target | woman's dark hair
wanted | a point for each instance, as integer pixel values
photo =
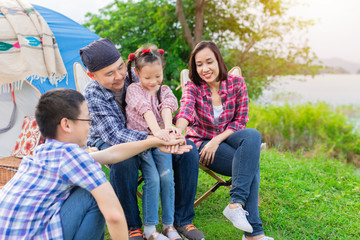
(193, 74)
(55, 105)
(146, 54)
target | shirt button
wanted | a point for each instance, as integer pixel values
(218, 130)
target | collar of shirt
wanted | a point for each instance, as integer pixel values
(107, 93)
(206, 90)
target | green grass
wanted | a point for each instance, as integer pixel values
(301, 198)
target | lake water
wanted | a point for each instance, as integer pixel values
(334, 89)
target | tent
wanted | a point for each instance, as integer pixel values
(70, 37)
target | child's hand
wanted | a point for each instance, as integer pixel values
(174, 136)
(173, 129)
(163, 134)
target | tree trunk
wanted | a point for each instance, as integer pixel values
(199, 20)
(186, 30)
(250, 44)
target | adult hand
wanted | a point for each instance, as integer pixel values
(174, 148)
(207, 154)
(163, 134)
(180, 149)
(175, 144)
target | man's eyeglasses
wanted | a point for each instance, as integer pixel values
(80, 119)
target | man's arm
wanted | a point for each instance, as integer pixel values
(112, 211)
(124, 151)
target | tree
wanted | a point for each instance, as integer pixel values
(192, 39)
(251, 34)
(131, 24)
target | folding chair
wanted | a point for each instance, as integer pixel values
(184, 77)
(81, 77)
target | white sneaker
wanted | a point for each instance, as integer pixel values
(238, 218)
(263, 238)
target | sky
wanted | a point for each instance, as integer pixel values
(336, 33)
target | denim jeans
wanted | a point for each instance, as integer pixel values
(124, 176)
(238, 156)
(157, 171)
(81, 217)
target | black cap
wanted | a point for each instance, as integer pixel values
(99, 54)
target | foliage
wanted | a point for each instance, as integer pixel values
(301, 198)
(311, 127)
(251, 34)
(129, 26)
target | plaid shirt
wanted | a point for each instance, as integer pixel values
(197, 108)
(109, 122)
(30, 202)
(139, 101)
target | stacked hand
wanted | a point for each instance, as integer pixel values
(173, 141)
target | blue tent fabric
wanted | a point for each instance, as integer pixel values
(70, 37)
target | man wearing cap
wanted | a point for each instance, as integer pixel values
(105, 97)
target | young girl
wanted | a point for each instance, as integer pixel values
(149, 108)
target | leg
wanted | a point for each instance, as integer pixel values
(151, 189)
(253, 208)
(81, 217)
(186, 170)
(238, 156)
(245, 164)
(163, 163)
(123, 178)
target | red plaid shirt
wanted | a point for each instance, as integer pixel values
(197, 108)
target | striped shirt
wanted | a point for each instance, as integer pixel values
(197, 108)
(109, 122)
(139, 101)
(30, 202)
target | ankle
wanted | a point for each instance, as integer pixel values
(170, 232)
(148, 230)
(234, 205)
(255, 237)
(166, 226)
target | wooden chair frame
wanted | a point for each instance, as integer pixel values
(220, 182)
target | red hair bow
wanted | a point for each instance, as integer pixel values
(145, 51)
(161, 51)
(131, 57)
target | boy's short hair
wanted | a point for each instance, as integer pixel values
(55, 105)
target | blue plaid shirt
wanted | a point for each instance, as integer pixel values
(30, 202)
(109, 122)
